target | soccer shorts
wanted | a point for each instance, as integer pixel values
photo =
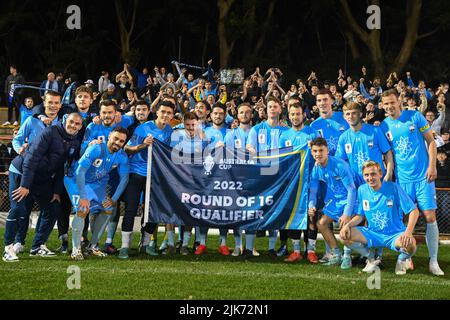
(421, 192)
(334, 209)
(96, 194)
(377, 239)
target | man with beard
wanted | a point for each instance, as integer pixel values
(299, 136)
(87, 188)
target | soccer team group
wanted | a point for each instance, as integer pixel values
(353, 165)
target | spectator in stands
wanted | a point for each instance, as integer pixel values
(11, 96)
(50, 84)
(26, 109)
(443, 169)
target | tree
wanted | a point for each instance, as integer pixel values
(125, 32)
(372, 38)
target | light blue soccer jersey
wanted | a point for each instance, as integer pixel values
(214, 135)
(384, 208)
(99, 162)
(263, 137)
(331, 129)
(138, 161)
(337, 176)
(99, 131)
(25, 113)
(181, 140)
(408, 145)
(236, 138)
(369, 143)
(292, 137)
(28, 131)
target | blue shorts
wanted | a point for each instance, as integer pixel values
(96, 194)
(421, 192)
(334, 209)
(377, 239)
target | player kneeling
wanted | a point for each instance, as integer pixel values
(87, 188)
(383, 205)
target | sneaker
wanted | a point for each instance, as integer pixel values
(334, 260)
(346, 263)
(325, 258)
(15, 123)
(247, 254)
(178, 246)
(195, 246)
(283, 251)
(7, 123)
(123, 253)
(294, 257)
(77, 254)
(18, 247)
(163, 246)
(435, 269)
(312, 257)
(169, 250)
(223, 250)
(371, 265)
(64, 248)
(237, 252)
(10, 254)
(272, 253)
(95, 251)
(42, 251)
(401, 267)
(151, 250)
(255, 253)
(184, 251)
(109, 249)
(201, 249)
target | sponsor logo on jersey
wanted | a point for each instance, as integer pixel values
(412, 128)
(370, 144)
(288, 143)
(237, 143)
(390, 203)
(348, 148)
(389, 136)
(366, 205)
(261, 138)
(97, 163)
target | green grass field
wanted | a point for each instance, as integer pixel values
(213, 276)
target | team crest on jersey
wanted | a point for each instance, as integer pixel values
(390, 203)
(261, 138)
(114, 166)
(370, 144)
(237, 143)
(288, 143)
(366, 205)
(412, 128)
(341, 129)
(348, 148)
(97, 163)
(101, 139)
(389, 136)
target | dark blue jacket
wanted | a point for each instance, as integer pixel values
(43, 162)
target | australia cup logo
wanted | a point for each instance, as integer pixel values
(208, 164)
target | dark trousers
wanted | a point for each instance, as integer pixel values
(132, 194)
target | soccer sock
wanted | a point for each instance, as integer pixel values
(337, 251)
(100, 224)
(432, 238)
(347, 251)
(126, 238)
(403, 255)
(272, 239)
(223, 240)
(186, 238)
(146, 238)
(379, 253)
(361, 249)
(249, 241)
(237, 238)
(77, 230)
(202, 237)
(296, 244)
(312, 238)
(327, 248)
(111, 231)
(171, 238)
